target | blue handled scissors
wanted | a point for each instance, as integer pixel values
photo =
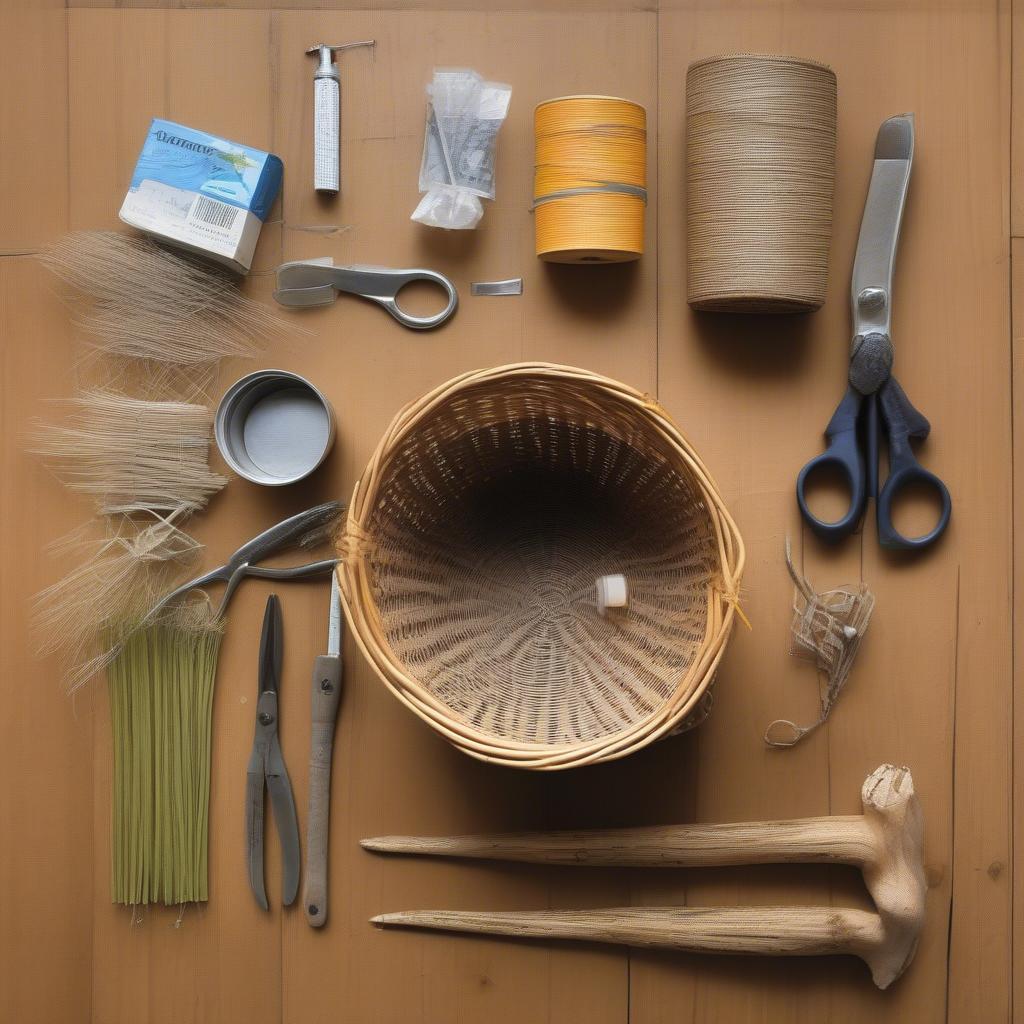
(874, 398)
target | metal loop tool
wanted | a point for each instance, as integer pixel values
(317, 282)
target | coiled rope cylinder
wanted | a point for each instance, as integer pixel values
(760, 172)
(590, 179)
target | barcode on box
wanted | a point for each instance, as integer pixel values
(210, 211)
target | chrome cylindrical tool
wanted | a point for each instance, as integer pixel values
(327, 117)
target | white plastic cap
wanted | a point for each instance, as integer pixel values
(612, 592)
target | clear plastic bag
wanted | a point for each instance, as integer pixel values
(464, 116)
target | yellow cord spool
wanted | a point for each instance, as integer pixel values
(590, 179)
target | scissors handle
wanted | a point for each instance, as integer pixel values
(843, 454)
(904, 422)
(317, 282)
(382, 285)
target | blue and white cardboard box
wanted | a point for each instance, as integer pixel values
(202, 193)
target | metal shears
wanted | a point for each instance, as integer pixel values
(317, 283)
(874, 398)
(266, 769)
(288, 533)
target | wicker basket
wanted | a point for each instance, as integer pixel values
(472, 548)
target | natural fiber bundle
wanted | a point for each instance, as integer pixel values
(131, 454)
(161, 704)
(590, 179)
(156, 304)
(83, 614)
(472, 549)
(162, 320)
(827, 629)
(760, 170)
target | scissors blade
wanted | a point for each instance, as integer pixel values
(306, 298)
(334, 620)
(305, 273)
(254, 835)
(271, 647)
(871, 291)
(306, 283)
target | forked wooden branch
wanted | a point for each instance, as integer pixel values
(885, 843)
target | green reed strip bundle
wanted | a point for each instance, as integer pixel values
(161, 700)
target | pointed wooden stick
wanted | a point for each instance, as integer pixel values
(885, 842)
(758, 931)
(828, 840)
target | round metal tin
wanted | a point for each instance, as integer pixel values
(273, 427)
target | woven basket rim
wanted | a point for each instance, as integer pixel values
(360, 609)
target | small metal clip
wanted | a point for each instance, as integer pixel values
(513, 286)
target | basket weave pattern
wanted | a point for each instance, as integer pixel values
(473, 546)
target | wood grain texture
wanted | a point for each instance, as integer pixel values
(46, 740)
(382, 125)
(1017, 330)
(125, 69)
(366, 6)
(33, 77)
(903, 700)
(933, 684)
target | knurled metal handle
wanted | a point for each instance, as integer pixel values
(326, 135)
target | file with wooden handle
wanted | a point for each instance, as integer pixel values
(326, 695)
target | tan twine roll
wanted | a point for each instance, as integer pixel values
(760, 173)
(472, 548)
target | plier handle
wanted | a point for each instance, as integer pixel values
(288, 533)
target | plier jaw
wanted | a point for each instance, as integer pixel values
(267, 771)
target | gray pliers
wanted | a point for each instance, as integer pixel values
(266, 768)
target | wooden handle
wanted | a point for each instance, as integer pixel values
(326, 695)
(885, 841)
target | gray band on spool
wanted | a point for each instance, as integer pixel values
(586, 190)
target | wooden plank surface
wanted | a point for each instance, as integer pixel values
(903, 702)
(933, 687)
(46, 740)
(1017, 305)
